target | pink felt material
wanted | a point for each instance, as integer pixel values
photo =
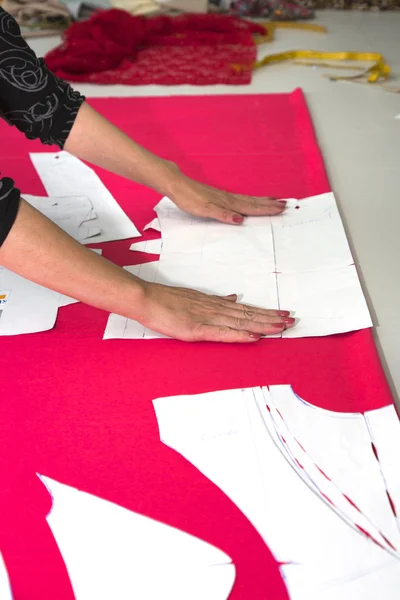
(79, 410)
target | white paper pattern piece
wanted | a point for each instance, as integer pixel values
(73, 214)
(299, 261)
(328, 521)
(64, 175)
(66, 300)
(149, 247)
(154, 224)
(120, 327)
(5, 588)
(25, 307)
(384, 429)
(112, 552)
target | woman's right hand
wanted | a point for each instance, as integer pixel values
(192, 316)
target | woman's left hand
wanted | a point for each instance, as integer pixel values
(205, 201)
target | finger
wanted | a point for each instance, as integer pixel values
(229, 303)
(230, 298)
(258, 206)
(263, 314)
(223, 215)
(215, 333)
(271, 319)
(223, 320)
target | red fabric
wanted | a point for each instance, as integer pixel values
(115, 47)
(79, 410)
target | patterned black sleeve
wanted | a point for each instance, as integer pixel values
(32, 99)
(9, 204)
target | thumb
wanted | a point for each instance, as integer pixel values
(224, 215)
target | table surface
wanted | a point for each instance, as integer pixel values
(359, 136)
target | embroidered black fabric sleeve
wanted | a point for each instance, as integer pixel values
(31, 97)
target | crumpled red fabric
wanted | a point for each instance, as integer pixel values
(104, 48)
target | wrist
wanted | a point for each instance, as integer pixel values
(174, 181)
(130, 297)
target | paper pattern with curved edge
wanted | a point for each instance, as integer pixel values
(341, 445)
(299, 260)
(329, 546)
(112, 552)
(5, 587)
(29, 307)
(66, 300)
(65, 175)
(384, 428)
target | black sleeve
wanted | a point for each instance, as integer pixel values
(9, 204)
(31, 97)
(34, 100)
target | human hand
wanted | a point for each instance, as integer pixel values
(204, 201)
(192, 316)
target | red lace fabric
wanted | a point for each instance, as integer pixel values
(114, 47)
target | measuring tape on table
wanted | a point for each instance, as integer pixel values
(376, 73)
(379, 70)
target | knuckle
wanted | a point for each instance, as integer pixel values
(223, 331)
(196, 333)
(254, 203)
(238, 323)
(249, 312)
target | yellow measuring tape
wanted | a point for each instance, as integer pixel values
(377, 71)
(271, 26)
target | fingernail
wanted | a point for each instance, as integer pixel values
(278, 325)
(282, 201)
(283, 313)
(289, 320)
(237, 219)
(254, 336)
(231, 296)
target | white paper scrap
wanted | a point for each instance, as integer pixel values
(25, 307)
(148, 247)
(112, 552)
(64, 175)
(154, 224)
(5, 587)
(235, 441)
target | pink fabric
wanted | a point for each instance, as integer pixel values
(79, 410)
